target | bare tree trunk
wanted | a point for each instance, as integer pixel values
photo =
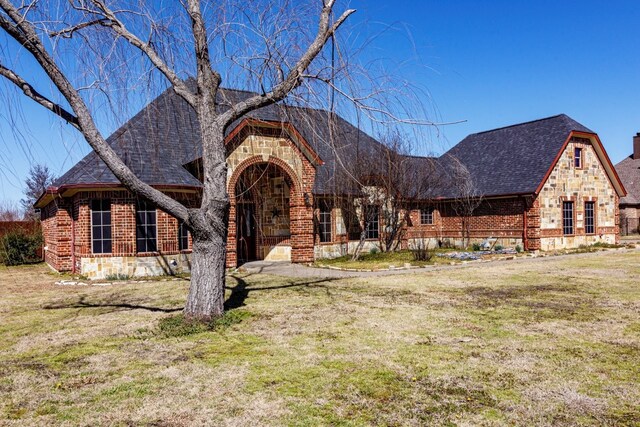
(210, 225)
(206, 292)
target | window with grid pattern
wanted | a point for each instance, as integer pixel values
(183, 236)
(426, 216)
(589, 217)
(101, 226)
(372, 216)
(567, 218)
(146, 229)
(324, 221)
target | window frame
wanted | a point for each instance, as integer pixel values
(578, 157)
(147, 208)
(566, 220)
(593, 217)
(102, 211)
(183, 236)
(370, 232)
(427, 213)
(325, 222)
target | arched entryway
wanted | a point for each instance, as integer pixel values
(271, 216)
(263, 212)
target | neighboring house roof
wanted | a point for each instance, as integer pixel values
(629, 172)
(165, 135)
(513, 159)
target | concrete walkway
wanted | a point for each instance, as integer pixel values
(298, 270)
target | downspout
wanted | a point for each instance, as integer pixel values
(525, 240)
(73, 244)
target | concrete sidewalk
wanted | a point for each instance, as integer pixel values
(298, 270)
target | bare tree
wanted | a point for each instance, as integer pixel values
(39, 179)
(39, 27)
(468, 196)
(10, 212)
(107, 50)
(382, 185)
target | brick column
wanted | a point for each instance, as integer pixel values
(301, 228)
(64, 234)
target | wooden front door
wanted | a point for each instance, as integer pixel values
(247, 230)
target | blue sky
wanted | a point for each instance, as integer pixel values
(491, 63)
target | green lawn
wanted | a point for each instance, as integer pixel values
(383, 260)
(536, 342)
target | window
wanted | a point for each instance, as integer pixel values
(101, 226)
(577, 157)
(426, 216)
(372, 218)
(567, 218)
(183, 236)
(146, 227)
(590, 217)
(324, 221)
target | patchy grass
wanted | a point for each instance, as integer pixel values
(383, 260)
(552, 341)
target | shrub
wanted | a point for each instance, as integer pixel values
(498, 247)
(421, 252)
(178, 326)
(18, 247)
(518, 248)
(373, 250)
(476, 247)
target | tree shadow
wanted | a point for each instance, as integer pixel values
(82, 303)
(240, 292)
(236, 299)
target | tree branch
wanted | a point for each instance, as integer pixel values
(30, 92)
(68, 32)
(112, 21)
(24, 33)
(295, 76)
(207, 78)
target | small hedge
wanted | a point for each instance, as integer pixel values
(18, 247)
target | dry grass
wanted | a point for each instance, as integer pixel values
(545, 342)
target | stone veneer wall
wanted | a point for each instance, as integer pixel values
(588, 183)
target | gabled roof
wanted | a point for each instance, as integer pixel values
(629, 172)
(165, 135)
(513, 159)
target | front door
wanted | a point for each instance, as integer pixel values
(246, 226)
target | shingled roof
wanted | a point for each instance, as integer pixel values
(629, 172)
(512, 159)
(165, 135)
(158, 141)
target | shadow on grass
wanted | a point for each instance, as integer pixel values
(236, 299)
(240, 292)
(82, 303)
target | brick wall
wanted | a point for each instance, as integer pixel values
(497, 218)
(66, 224)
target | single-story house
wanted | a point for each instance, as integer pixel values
(629, 171)
(544, 184)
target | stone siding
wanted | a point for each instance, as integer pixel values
(579, 185)
(134, 266)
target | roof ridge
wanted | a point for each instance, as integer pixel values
(520, 124)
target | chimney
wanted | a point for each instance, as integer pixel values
(636, 146)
